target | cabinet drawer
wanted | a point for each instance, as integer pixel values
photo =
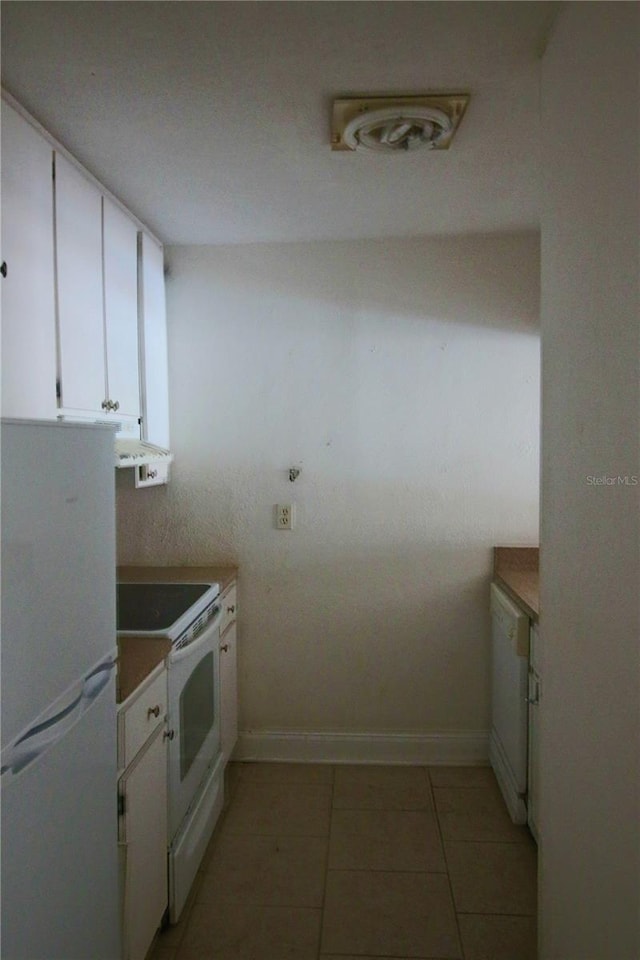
(138, 721)
(229, 608)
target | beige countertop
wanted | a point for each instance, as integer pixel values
(516, 570)
(138, 656)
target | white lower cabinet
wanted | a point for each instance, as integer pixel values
(228, 673)
(142, 801)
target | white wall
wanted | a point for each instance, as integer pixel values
(402, 377)
(590, 538)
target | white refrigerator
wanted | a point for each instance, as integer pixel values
(59, 843)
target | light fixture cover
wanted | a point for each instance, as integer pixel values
(391, 124)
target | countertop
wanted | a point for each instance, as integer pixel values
(138, 656)
(515, 569)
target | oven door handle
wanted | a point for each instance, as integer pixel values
(194, 646)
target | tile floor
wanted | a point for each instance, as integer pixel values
(332, 862)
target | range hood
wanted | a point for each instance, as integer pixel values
(130, 452)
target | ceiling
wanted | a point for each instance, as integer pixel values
(211, 120)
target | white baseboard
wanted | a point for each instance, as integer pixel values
(457, 749)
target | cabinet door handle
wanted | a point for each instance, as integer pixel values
(535, 699)
(231, 609)
(153, 712)
(115, 405)
(224, 647)
(168, 735)
(105, 404)
(3, 268)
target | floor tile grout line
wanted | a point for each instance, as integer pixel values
(261, 905)
(419, 873)
(378, 809)
(326, 864)
(384, 809)
(384, 956)
(502, 843)
(280, 834)
(484, 913)
(444, 854)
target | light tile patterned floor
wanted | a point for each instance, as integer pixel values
(333, 862)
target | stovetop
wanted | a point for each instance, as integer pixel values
(161, 609)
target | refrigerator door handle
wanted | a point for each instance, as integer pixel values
(41, 736)
(50, 728)
(96, 681)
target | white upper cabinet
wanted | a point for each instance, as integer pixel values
(96, 268)
(121, 308)
(28, 290)
(84, 332)
(78, 206)
(154, 342)
(154, 359)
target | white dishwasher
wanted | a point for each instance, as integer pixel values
(509, 706)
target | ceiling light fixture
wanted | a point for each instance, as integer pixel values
(389, 124)
(397, 128)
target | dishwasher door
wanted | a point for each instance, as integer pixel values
(509, 707)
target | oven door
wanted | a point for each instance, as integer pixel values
(194, 718)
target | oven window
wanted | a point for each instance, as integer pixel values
(197, 711)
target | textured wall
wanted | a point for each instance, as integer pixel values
(402, 377)
(590, 534)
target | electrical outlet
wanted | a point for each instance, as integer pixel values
(285, 516)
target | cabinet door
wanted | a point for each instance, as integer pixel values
(78, 242)
(28, 295)
(121, 309)
(154, 364)
(228, 691)
(143, 788)
(154, 343)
